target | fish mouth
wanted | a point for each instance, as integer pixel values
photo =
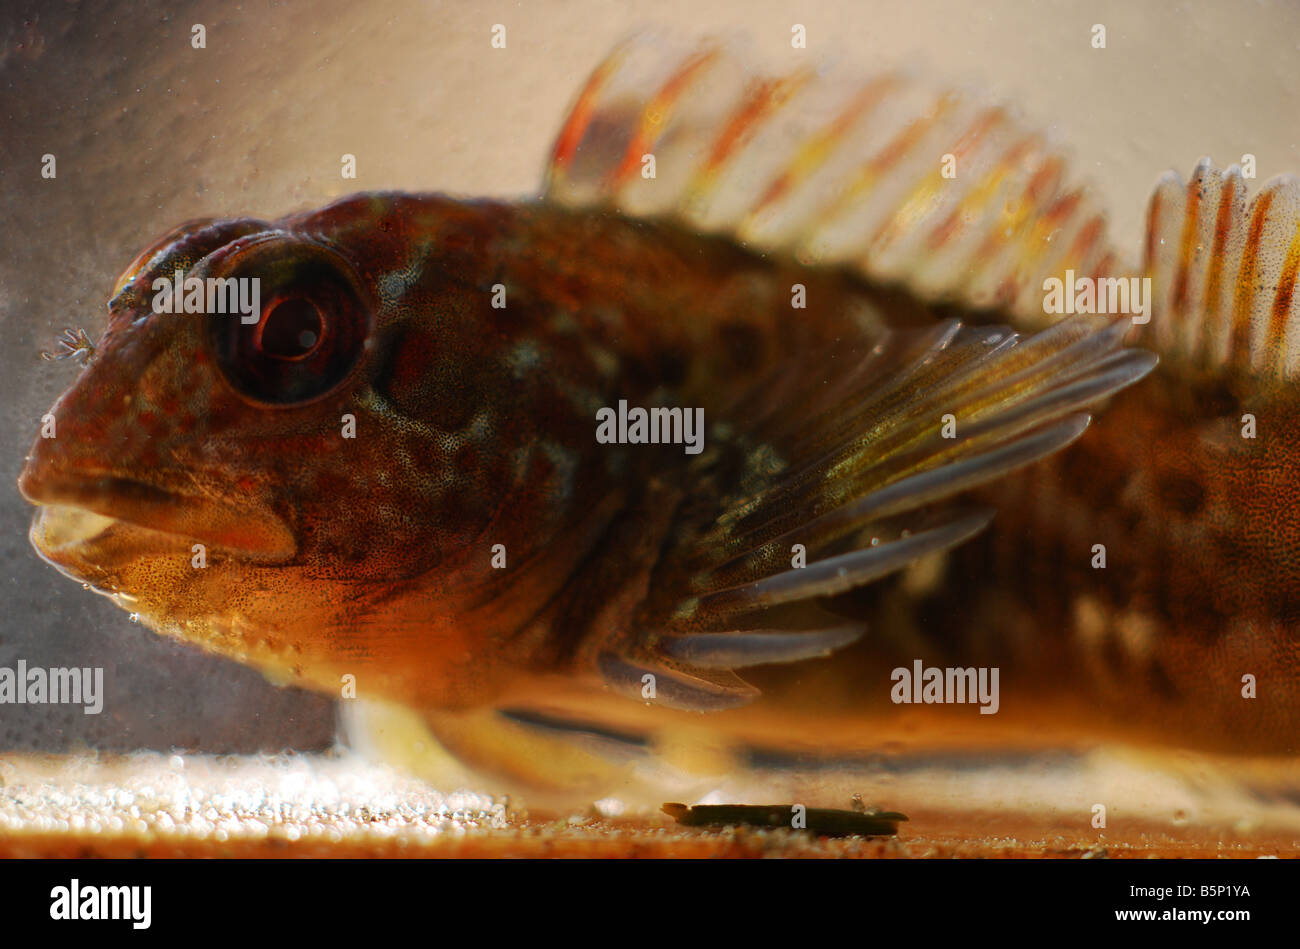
(96, 522)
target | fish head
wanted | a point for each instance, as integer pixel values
(304, 474)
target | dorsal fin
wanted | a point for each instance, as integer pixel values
(834, 170)
(1223, 272)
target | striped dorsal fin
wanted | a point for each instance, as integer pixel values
(1223, 272)
(835, 170)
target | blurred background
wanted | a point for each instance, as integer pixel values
(149, 132)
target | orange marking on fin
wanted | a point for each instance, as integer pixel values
(762, 103)
(1060, 210)
(915, 203)
(817, 149)
(894, 152)
(1106, 265)
(1021, 213)
(1285, 292)
(1088, 235)
(1222, 226)
(1045, 181)
(1187, 243)
(980, 195)
(1240, 345)
(566, 144)
(655, 114)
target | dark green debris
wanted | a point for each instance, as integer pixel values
(821, 821)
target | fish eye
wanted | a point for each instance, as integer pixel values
(290, 328)
(309, 331)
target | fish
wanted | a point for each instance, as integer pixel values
(447, 471)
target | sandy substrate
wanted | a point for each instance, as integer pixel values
(153, 805)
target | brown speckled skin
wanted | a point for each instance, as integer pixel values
(1202, 579)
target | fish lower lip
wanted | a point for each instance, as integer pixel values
(74, 515)
(60, 526)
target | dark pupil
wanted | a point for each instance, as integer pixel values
(291, 329)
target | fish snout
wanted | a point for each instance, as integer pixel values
(81, 489)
